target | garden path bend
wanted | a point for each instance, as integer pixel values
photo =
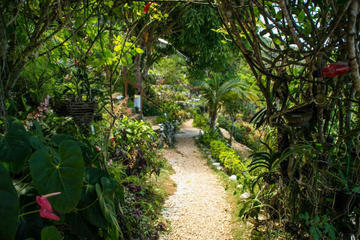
(198, 210)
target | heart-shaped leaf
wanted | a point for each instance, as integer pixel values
(356, 189)
(50, 233)
(9, 206)
(59, 138)
(61, 171)
(14, 146)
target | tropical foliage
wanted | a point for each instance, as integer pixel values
(284, 42)
(216, 91)
(75, 165)
(90, 184)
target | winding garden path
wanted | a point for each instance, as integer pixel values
(198, 210)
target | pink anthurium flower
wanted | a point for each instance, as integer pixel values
(44, 203)
(46, 210)
(44, 213)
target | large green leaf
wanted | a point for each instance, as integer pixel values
(61, 171)
(50, 233)
(80, 227)
(107, 207)
(90, 211)
(94, 216)
(59, 138)
(108, 186)
(9, 206)
(301, 16)
(14, 146)
(93, 175)
(356, 189)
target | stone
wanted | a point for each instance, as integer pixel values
(233, 177)
(216, 164)
(245, 195)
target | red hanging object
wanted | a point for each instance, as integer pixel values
(332, 70)
(335, 69)
(147, 7)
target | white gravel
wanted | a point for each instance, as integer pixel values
(198, 210)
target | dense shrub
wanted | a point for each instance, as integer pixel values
(169, 112)
(167, 132)
(150, 109)
(233, 164)
(216, 147)
(201, 120)
(92, 175)
(208, 136)
(140, 211)
(134, 144)
(232, 161)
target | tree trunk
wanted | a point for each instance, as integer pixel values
(137, 71)
(348, 110)
(352, 34)
(283, 142)
(138, 79)
(212, 116)
(232, 130)
(2, 102)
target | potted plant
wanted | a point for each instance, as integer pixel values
(299, 115)
(78, 99)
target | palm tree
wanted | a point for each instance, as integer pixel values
(216, 90)
(232, 109)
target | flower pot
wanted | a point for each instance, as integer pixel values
(299, 116)
(82, 112)
(60, 107)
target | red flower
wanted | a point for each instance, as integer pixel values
(76, 61)
(44, 213)
(46, 210)
(112, 139)
(44, 203)
(147, 7)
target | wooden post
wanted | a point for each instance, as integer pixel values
(141, 101)
(139, 88)
(125, 70)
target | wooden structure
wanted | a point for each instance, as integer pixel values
(82, 112)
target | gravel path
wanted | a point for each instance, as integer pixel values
(198, 210)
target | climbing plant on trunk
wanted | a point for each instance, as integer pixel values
(284, 43)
